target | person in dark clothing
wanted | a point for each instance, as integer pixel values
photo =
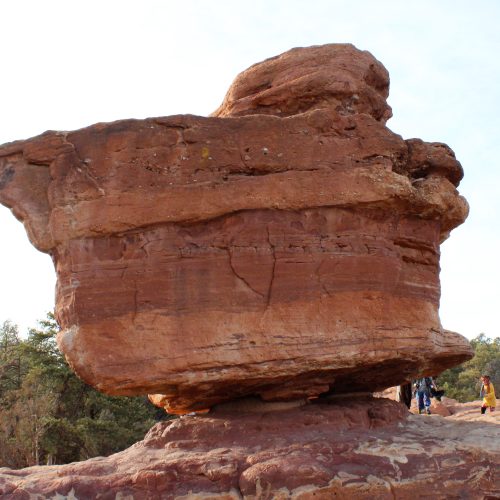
(423, 387)
(403, 394)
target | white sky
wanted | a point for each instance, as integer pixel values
(68, 64)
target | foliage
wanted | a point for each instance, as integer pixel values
(48, 415)
(10, 363)
(463, 382)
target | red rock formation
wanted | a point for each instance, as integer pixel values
(336, 76)
(357, 449)
(284, 254)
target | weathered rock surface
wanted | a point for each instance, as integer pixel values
(359, 449)
(466, 412)
(286, 247)
(337, 76)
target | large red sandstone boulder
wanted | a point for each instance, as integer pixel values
(347, 448)
(286, 247)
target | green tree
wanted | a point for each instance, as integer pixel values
(49, 415)
(23, 419)
(40, 352)
(61, 441)
(112, 423)
(463, 382)
(10, 358)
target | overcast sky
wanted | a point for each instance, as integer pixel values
(68, 64)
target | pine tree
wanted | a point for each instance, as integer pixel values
(10, 358)
(463, 382)
(48, 415)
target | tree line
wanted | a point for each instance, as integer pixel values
(48, 415)
(462, 382)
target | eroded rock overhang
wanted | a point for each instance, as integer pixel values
(286, 246)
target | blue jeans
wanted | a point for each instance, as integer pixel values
(423, 400)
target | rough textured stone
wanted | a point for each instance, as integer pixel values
(284, 254)
(335, 76)
(344, 448)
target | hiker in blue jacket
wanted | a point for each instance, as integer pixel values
(423, 388)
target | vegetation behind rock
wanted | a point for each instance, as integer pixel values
(48, 415)
(462, 382)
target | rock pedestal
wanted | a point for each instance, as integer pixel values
(286, 247)
(356, 448)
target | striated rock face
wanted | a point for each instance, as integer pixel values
(350, 448)
(286, 247)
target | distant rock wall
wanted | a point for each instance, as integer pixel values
(286, 247)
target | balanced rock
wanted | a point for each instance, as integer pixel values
(286, 247)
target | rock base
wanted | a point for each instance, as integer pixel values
(356, 448)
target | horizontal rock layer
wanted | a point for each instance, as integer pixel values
(347, 448)
(204, 259)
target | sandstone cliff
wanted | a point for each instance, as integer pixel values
(286, 247)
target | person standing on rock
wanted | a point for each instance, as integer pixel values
(423, 393)
(488, 394)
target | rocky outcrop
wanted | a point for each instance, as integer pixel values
(346, 448)
(286, 247)
(338, 77)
